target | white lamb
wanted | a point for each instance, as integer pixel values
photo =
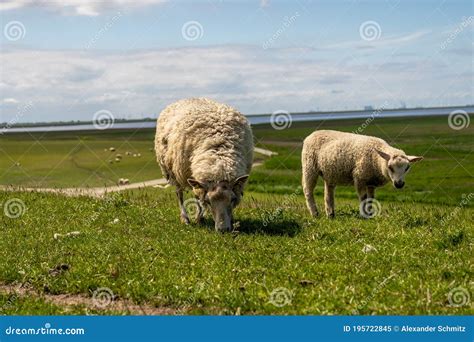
(345, 159)
(207, 146)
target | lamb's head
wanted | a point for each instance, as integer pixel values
(397, 166)
(221, 198)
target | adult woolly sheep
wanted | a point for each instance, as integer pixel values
(346, 158)
(207, 146)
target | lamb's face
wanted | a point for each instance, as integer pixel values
(397, 166)
(221, 198)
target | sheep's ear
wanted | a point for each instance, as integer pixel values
(414, 159)
(240, 181)
(383, 155)
(195, 184)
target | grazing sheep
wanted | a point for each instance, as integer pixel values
(346, 158)
(123, 181)
(207, 146)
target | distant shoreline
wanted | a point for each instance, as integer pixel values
(254, 119)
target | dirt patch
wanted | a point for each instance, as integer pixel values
(102, 303)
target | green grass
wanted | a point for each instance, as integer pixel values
(445, 174)
(76, 159)
(422, 238)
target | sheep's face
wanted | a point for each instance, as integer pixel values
(221, 198)
(397, 167)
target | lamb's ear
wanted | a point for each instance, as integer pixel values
(383, 155)
(195, 184)
(240, 181)
(414, 159)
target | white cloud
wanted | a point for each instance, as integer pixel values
(77, 7)
(387, 41)
(73, 84)
(10, 100)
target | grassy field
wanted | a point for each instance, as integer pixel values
(415, 257)
(77, 159)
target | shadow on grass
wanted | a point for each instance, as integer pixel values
(285, 227)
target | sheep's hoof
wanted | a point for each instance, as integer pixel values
(331, 215)
(185, 219)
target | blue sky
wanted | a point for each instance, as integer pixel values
(132, 58)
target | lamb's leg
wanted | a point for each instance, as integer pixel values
(309, 183)
(371, 192)
(329, 199)
(361, 191)
(183, 214)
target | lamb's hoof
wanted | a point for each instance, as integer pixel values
(200, 220)
(184, 219)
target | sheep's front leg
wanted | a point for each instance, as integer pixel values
(329, 199)
(183, 214)
(309, 183)
(199, 212)
(362, 191)
(371, 192)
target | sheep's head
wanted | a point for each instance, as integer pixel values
(397, 167)
(221, 198)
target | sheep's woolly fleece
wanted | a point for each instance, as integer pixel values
(345, 158)
(203, 139)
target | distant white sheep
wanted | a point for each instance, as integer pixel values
(346, 158)
(207, 146)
